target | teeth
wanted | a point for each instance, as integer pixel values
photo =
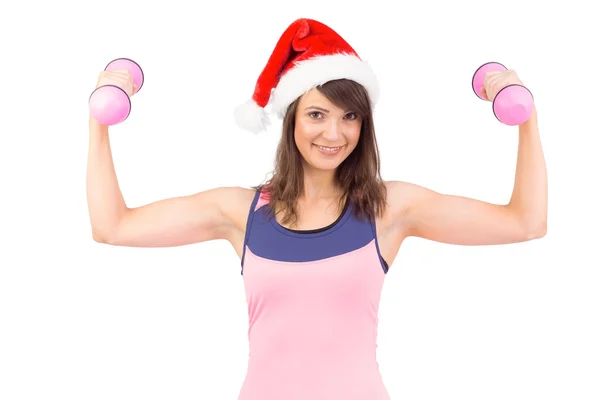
(328, 148)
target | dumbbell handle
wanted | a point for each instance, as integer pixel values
(110, 104)
(512, 105)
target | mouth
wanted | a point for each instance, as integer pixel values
(328, 150)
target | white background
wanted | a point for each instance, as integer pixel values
(85, 321)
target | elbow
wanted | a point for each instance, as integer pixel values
(530, 225)
(537, 230)
(105, 233)
(100, 236)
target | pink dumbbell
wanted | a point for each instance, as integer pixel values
(109, 104)
(513, 104)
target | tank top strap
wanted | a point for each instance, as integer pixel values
(260, 199)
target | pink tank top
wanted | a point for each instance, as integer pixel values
(313, 300)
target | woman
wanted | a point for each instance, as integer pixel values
(317, 240)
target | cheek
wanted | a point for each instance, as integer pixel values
(352, 135)
(305, 133)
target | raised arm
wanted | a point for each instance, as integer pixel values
(218, 213)
(421, 212)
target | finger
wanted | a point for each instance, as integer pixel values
(491, 74)
(487, 81)
(484, 93)
(121, 74)
(492, 83)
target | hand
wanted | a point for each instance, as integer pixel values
(496, 81)
(122, 79)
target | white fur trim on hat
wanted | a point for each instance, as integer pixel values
(251, 116)
(307, 74)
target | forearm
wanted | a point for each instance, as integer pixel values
(105, 201)
(530, 193)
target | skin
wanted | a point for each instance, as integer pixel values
(413, 210)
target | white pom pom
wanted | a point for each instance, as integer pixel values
(251, 116)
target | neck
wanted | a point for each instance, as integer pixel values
(319, 184)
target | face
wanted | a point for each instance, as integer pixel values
(324, 133)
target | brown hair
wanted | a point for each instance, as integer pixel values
(358, 176)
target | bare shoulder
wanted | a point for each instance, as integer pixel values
(398, 198)
(402, 199)
(402, 195)
(234, 205)
(234, 202)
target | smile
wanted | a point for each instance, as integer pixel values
(329, 149)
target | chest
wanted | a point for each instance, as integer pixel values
(316, 216)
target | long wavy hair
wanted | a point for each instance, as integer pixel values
(358, 176)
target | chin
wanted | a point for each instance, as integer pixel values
(324, 166)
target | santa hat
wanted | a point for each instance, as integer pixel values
(308, 54)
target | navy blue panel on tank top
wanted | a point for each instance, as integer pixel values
(266, 238)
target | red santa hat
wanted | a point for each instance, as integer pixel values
(308, 54)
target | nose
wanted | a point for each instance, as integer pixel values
(333, 131)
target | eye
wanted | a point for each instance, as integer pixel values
(314, 114)
(351, 116)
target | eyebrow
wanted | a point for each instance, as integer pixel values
(321, 109)
(316, 108)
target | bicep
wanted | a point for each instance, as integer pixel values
(455, 219)
(204, 216)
